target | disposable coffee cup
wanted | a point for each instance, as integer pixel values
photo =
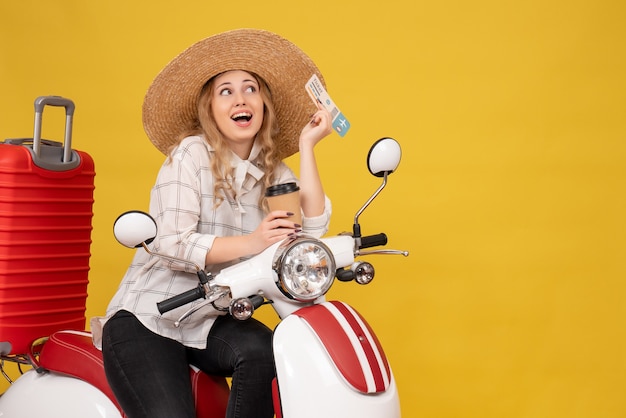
(286, 197)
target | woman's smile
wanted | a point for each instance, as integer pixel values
(242, 118)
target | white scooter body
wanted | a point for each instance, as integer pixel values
(311, 385)
(305, 369)
(356, 382)
(51, 395)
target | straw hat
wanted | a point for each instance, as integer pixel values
(169, 107)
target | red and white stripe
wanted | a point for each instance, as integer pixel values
(352, 345)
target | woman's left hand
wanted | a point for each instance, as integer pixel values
(319, 127)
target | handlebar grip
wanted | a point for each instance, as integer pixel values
(373, 240)
(180, 300)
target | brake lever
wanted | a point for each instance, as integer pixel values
(217, 293)
(391, 252)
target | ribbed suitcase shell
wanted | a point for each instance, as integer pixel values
(45, 239)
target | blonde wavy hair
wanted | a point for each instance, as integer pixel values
(205, 125)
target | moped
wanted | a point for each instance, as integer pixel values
(328, 360)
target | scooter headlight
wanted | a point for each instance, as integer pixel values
(305, 268)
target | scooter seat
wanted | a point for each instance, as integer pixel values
(73, 353)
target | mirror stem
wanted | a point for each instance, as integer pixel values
(167, 257)
(356, 228)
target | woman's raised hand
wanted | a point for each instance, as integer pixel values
(318, 127)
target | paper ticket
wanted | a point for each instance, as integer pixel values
(319, 94)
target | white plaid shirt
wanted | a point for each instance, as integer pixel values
(183, 205)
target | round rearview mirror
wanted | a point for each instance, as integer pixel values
(384, 157)
(133, 228)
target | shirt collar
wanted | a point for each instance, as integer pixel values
(245, 167)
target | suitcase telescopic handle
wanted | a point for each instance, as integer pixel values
(40, 103)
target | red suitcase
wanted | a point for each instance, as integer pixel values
(46, 200)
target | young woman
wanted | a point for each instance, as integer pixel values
(226, 112)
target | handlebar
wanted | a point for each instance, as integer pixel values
(373, 240)
(180, 300)
(200, 292)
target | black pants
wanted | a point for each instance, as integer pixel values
(149, 374)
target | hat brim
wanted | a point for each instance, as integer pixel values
(170, 104)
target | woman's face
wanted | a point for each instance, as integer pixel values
(237, 108)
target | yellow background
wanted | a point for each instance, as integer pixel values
(510, 195)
